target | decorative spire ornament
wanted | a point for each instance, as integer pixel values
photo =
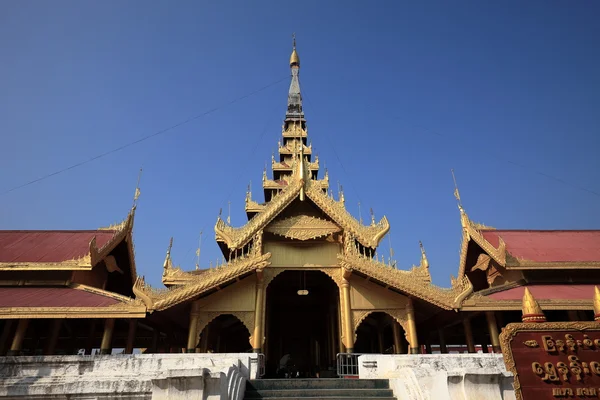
(359, 214)
(137, 194)
(229, 212)
(168, 263)
(532, 312)
(424, 261)
(198, 251)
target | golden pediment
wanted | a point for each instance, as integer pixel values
(303, 227)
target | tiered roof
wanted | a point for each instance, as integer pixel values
(295, 174)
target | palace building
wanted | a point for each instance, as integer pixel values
(301, 281)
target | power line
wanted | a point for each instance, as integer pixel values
(245, 161)
(160, 132)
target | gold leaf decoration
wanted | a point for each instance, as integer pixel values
(303, 227)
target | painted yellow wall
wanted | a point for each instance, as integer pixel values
(365, 295)
(239, 296)
(296, 254)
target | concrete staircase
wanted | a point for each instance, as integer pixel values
(309, 389)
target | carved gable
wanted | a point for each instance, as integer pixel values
(303, 227)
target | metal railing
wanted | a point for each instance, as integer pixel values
(347, 364)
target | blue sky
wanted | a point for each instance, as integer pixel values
(396, 94)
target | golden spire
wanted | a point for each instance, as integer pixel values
(596, 303)
(198, 251)
(294, 59)
(424, 261)
(532, 312)
(463, 214)
(168, 263)
(136, 196)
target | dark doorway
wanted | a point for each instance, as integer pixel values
(225, 334)
(302, 316)
(375, 334)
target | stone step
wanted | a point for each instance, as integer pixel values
(329, 398)
(260, 394)
(327, 383)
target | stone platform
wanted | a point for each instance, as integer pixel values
(140, 376)
(441, 376)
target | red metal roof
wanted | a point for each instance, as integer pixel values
(52, 297)
(48, 246)
(549, 246)
(572, 292)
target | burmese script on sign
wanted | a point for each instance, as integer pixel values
(559, 364)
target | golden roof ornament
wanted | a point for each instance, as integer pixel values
(596, 303)
(168, 263)
(424, 261)
(294, 59)
(532, 312)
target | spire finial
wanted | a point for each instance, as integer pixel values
(229, 212)
(294, 59)
(372, 216)
(424, 261)
(136, 196)
(532, 312)
(359, 214)
(198, 251)
(167, 264)
(456, 192)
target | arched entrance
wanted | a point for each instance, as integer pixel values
(375, 334)
(302, 317)
(225, 334)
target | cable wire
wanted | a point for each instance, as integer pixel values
(160, 132)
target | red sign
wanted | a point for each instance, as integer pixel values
(553, 360)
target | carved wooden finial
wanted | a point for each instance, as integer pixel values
(167, 263)
(138, 192)
(532, 312)
(424, 261)
(456, 192)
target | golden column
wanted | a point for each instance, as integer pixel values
(493, 328)
(54, 332)
(257, 337)
(340, 333)
(469, 335)
(109, 327)
(193, 329)
(15, 348)
(130, 336)
(347, 315)
(398, 344)
(412, 327)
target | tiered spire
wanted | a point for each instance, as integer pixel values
(294, 147)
